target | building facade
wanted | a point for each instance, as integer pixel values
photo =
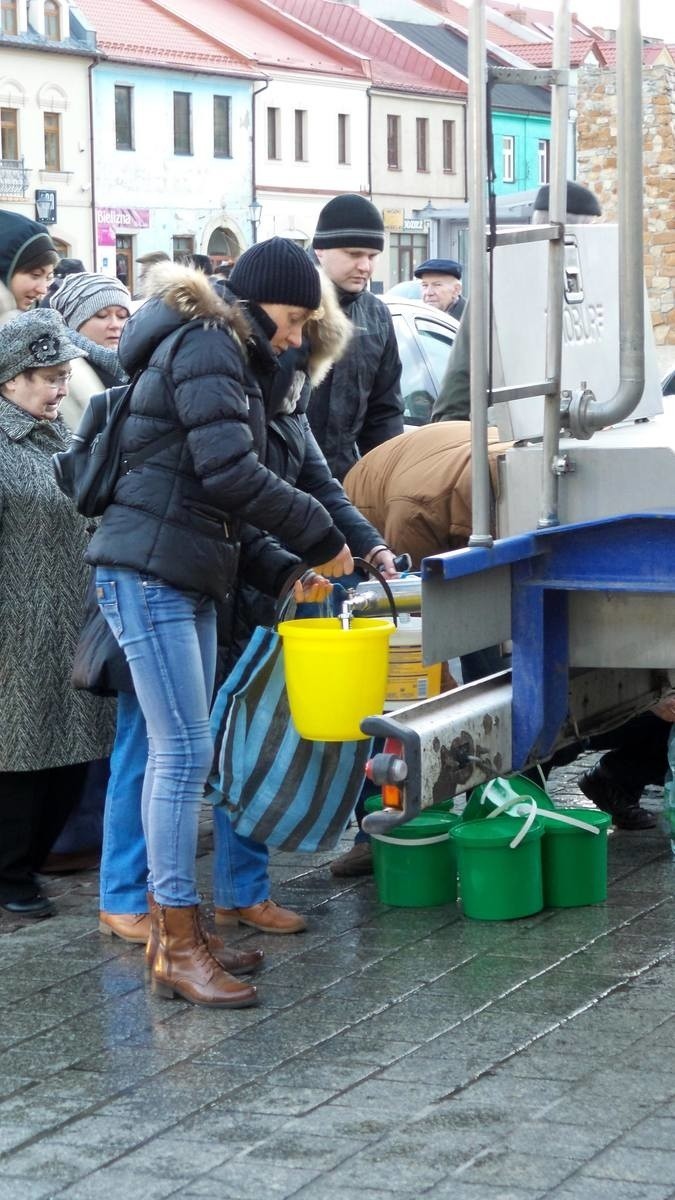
(45, 143)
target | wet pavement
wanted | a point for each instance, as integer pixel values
(396, 1052)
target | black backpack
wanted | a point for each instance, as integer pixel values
(89, 469)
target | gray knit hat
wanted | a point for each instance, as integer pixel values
(37, 338)
(81, 296)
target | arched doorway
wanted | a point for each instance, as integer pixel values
(224, 247)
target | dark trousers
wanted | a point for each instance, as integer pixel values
(34, 807)
(637, 752)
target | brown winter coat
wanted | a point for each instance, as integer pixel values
(416, 488)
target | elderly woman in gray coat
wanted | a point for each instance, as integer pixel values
(48, 732)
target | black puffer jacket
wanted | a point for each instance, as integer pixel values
(179, 515)
(359, 403)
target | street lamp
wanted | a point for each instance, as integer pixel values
(254, 215)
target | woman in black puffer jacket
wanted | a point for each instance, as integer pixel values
(168, 546)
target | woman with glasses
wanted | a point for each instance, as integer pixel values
(48, 732)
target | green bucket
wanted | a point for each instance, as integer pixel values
(414, 864)
(488, 796)
(575, 860)
(498, 882)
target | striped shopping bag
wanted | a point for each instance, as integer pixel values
(277, 787)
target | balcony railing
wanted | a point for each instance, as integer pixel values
(13, 177)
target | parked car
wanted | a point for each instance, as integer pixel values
(425, 336)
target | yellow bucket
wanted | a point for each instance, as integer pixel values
(335, 677)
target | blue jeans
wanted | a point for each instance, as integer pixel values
(124, 860)
(240, 876)
(169, 640)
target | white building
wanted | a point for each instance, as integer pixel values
(45, 145)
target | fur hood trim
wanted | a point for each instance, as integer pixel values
(328, 331)
(188, 292)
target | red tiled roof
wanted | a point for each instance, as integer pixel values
(394, 61)
(540, 54)
(649, 53)
(139, 31)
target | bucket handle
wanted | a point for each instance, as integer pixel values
(365, 568)
(408, 842)
(535, 811)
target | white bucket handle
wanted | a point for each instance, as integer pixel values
(534, 812)
(427, 841)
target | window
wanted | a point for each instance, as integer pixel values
(344, 151)
(422, 138)
(52, 21)
(124, 124)
(449, 147)
(182, 246)
(544, 160)
(222, 117)
(9, 132)
(300, 135)
(182, 123)
(273, 133)
(10, 23)
(508, 159)
(52, 128)
(393, 143)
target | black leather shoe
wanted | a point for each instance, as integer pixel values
(35, 906)
(606, 792)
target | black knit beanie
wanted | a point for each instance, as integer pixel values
(349, 220)
(580, 200)
(277, 271)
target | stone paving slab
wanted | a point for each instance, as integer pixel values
(396, 1053)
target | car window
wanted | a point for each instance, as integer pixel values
(436, 343)
(417, 386)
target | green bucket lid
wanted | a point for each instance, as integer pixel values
(497, 831)
(590, 816)
(525, 787)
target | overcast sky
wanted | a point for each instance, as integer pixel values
(657, 16)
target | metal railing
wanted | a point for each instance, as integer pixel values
(13, 177)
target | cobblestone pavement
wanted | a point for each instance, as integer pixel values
(396, 1053)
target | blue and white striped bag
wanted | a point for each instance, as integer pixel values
(277, 787)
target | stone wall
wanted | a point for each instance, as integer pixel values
(596, 167)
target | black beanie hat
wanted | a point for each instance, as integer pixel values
(24, 244)
(349, 220)
(277, 271)
(580, 200)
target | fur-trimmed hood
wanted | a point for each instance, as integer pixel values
(175, 295)
(328, 333)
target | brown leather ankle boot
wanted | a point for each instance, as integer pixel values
(183, 965)
(237, 962)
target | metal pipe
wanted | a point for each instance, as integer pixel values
(548, 514)
(407, 595)
(586, 413)
(478, 308)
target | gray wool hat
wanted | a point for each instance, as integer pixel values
(34, 339)
(81, 296)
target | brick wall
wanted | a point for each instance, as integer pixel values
(596, 167)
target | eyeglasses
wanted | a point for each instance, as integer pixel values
(58, 380)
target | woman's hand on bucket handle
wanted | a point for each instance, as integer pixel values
(342, 564)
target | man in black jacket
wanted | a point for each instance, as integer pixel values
(359, 404)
